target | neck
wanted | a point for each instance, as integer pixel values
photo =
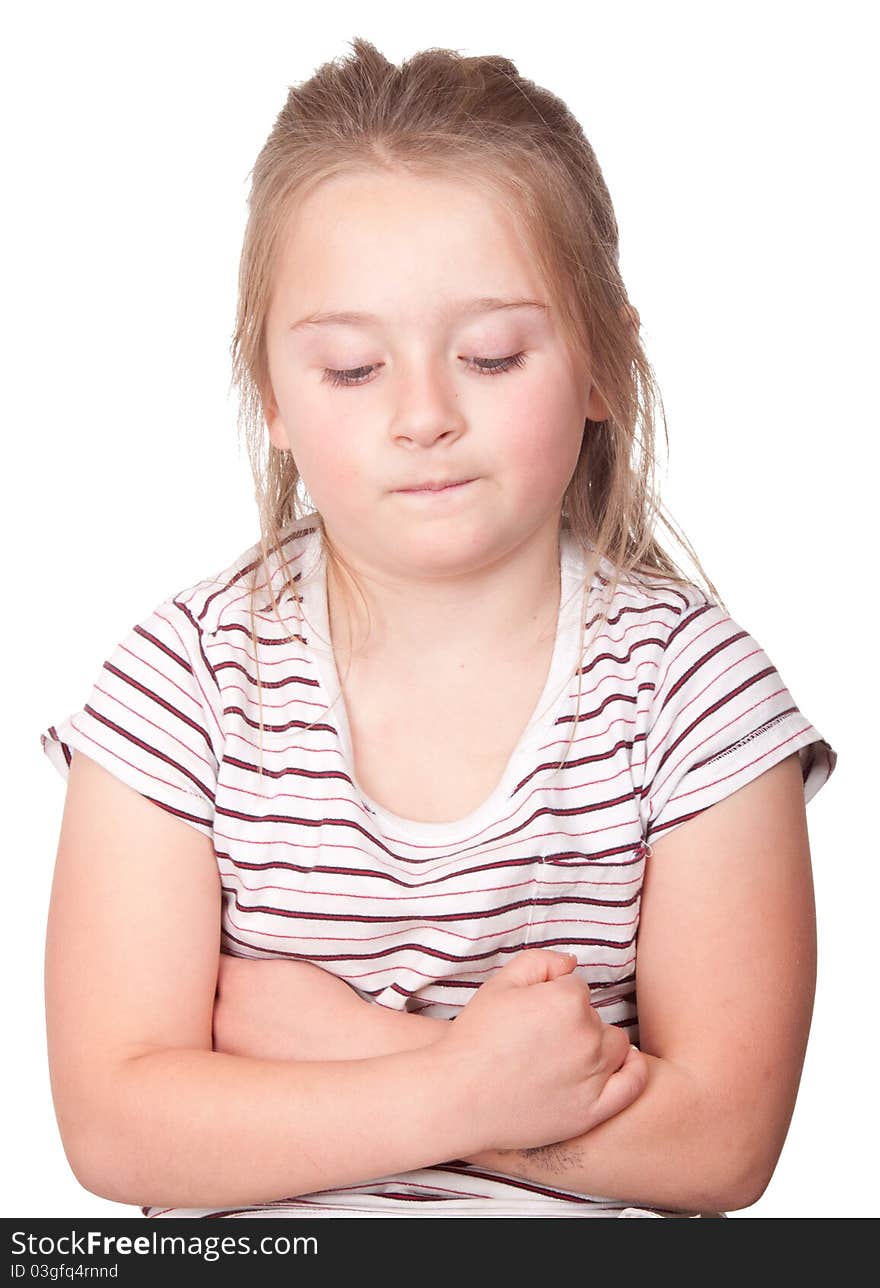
(508, 607)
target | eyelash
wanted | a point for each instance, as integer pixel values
(504, 365)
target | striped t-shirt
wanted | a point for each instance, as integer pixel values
(678, 707)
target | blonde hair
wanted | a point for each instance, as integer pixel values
(440, 114)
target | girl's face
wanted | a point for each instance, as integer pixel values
(416, 379)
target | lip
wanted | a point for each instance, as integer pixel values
(433, 491)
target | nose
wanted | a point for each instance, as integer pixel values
(426, 404)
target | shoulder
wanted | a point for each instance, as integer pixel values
(251, 579)
(652, 613)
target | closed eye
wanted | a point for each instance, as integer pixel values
(483, 366)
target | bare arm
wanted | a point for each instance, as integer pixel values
(707, 1130)
(655, 1146)
(282, 1009)
(653, 1153)
(148, 1112)
(726, 978)
(194, 1128)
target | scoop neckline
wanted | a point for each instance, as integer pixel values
(563, 663)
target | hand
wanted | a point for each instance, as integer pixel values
(511, 1161)
(285, 1010)
(564, 1070)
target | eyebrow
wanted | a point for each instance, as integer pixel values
(485, 304)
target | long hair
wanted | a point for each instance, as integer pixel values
(474, 119)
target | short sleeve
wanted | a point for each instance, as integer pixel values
(720, 715)
(153, 717)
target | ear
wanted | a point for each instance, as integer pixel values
(274, 423)
(596, 408)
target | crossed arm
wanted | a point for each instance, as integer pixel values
(725, 977)
(296, 1011)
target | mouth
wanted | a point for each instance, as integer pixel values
(432, 489)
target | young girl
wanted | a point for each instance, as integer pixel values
(455, 740)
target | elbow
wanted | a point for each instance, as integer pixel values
(743, 1194)
(736, 1193)
(103, 1139)
(752, 1184)
(741, 1139)
(740, 1178)
(105, 1187)
(114, 1171)
(115, 1180)
(102, 1155)
(95, 1170)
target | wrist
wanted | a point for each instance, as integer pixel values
(496, 1160)
(387, 1031)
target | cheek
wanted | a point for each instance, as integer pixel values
(322, 443)
(326, 457)
(544, 438)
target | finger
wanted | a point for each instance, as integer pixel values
(622, 1088)
(531, 966)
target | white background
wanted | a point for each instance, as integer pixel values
(738, 144)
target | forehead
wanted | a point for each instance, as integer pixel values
(395, 242)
